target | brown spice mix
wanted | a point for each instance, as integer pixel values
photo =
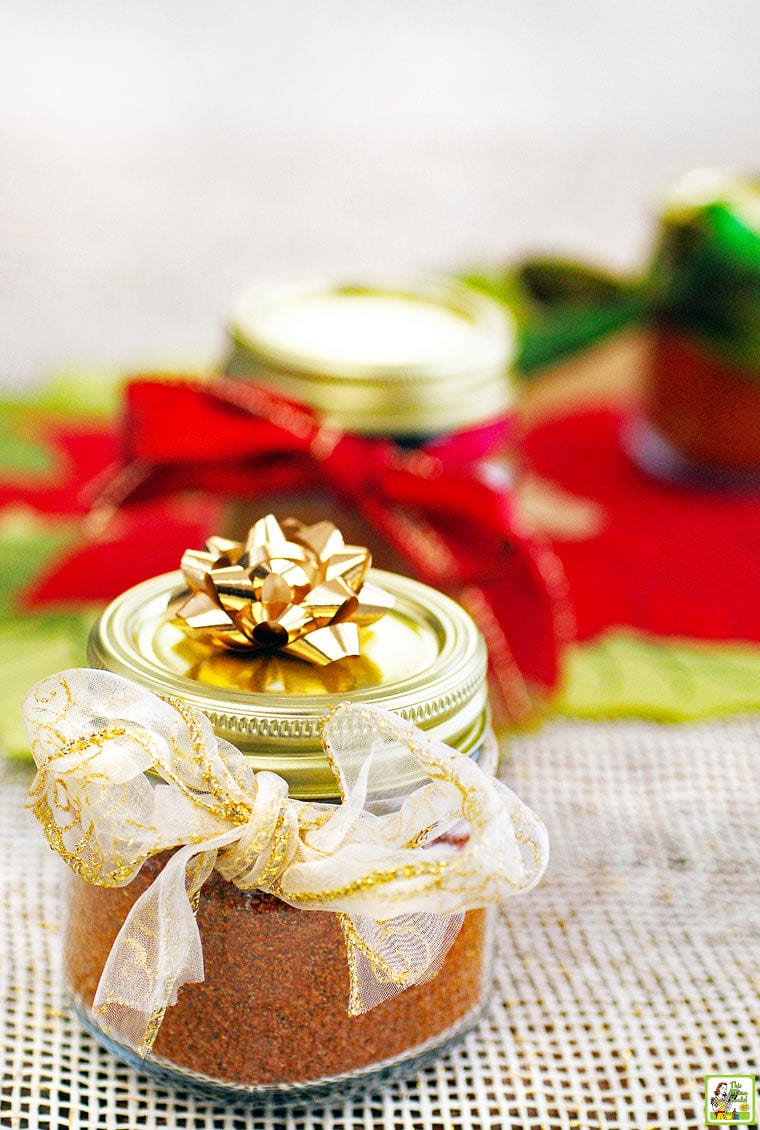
(274, 1005)
(708, 408)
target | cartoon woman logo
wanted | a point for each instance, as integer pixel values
(723, 1107)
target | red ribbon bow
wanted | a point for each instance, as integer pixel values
(433, 504)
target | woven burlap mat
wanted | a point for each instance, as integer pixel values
(632, 971)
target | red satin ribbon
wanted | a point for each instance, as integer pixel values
(433, 504)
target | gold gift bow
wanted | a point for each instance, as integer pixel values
(124, 774)
(290, 586)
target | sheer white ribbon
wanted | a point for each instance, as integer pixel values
(124, 774)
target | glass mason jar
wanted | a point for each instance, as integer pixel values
(702, 381)
(413, 357)
(271, 1017)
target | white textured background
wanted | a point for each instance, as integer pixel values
(157, 154)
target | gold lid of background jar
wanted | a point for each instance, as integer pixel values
(425, 660)
(735, 190)
(399, 356)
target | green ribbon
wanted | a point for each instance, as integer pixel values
(560, 306)
(703, 278)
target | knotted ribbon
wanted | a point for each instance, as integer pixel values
(124, 774)
(439, 505)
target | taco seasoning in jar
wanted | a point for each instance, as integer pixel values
(702, 382)
(342, 873)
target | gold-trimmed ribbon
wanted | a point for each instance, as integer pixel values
(291, 586)
(124, 774)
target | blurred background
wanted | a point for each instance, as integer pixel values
(156, 156)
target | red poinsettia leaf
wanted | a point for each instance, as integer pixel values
(77, 453)
(142, 541)
(668, 559)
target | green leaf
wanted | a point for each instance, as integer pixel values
(32, 647)
(627, 674)
(95, 393)
(27, 543)
(79, 394)
(19, 454)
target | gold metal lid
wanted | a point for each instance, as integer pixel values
(699, 188)
(425, 660)
(401, 356)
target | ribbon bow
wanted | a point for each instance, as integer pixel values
(96, 737)
(437, 505)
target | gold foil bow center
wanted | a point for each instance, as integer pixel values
(290, 586)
